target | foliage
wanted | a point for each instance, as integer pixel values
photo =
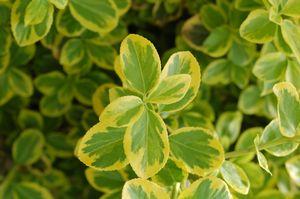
(159, 99)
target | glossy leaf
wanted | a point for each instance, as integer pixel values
(146, 144)
(197, 150)
(101, 148)
(170, 89)
(270, 67)
(140, 188)
(105, 181)
(208, 187)
(293, 168)
(182, 63)
(291, 33)
(288, 108)
(140, 63)
(271, 134)
(257, 28)
(26, 35)
(27, 148)
(235, 177)
(122, 111)
(97, 16)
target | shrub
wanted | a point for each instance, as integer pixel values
(159, 99)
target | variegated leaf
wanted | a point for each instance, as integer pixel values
(146, 144)
(101, 148)
(170, 89)
(182, 63)
(208, 188)
(288, 108)
(139, 63)
(143, 189)
(197, 150)
(293, 168)
(235, 177)
(28, 147)
(98, 16)
(104, 181)
(122, 111)
(29, 34)
(271, 134)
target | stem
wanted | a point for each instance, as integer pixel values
(267, 145)
(175, 191)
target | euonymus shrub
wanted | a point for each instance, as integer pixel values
(74, 85)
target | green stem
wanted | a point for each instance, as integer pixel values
(267, 145)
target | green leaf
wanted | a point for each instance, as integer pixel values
(60, 4)
(240, 75)
(193, 32)
(50, 106)
(270, 67)
(208, 187)
(255, 174)
(247, 5)
(182, 63)
(72, 52)
(270, 194)
(250, 101)
(291, 33)
(235, 177)
(21, 55)
(280, 43)
(197, 150)
(101, 97)
(49, 83)
(122, 6)
(26, 35)
(241, 52)
(84, 90)
(28, 147)
(288, 108)
(30, 119)
(245, 142)
(66, 91)
(102, 55)
(292, 73)
(98, 16)
(67, 25)
(293, 168)
(217, 72)
(104, 181)
(35, 12)
(140, 63)
(59, 145)
(170, 174)
(170, 89)
(83, 66)
(6, 92)
(146, 144)
(272, 133)
(262, 161)
(218, 42)
(122, 111)
(101, 148)
(30, 189)
(212, 16)
(4, 58)
(257, 27)
(143, 189)
(291, 8)
(20, 82)
(228, 127)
